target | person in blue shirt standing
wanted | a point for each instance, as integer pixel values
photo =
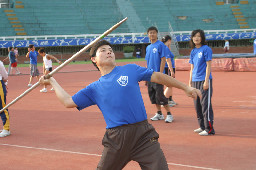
(201, 78)
(254, 47)
(155, 57)
(13, 61)
(117, 94)
(32, 55)
(169, 67)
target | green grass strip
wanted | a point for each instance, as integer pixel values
(86, 62)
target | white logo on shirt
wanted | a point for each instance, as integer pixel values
(123, 80)
(200, 55)
(154, 50)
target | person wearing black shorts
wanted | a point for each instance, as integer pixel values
(155, 57)
(169, 68)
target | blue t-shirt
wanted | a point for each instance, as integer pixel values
(169, 54)
(12, 57)
(117, 95)
(254, 47)
(154, 53)
(33, 57)
(199, 57)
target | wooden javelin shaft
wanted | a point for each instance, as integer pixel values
(66, 62)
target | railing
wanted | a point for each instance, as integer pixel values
(216, 31)
(47, 37)
(133, 35)
(5, 5)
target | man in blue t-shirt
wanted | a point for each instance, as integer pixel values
(156, 58)
(32, 55)
(117, 94)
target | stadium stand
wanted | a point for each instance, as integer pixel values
(5, 26)
(248, 10)
(72, 17)
(60, 17)
(69, 24)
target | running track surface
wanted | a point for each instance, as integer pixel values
(47, 136)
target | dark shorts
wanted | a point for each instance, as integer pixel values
(156, 94)
(49, 69)
(14, 64)
(168, 72)
(137, 142)
(33, 70)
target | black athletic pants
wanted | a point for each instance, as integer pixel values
(204, 107)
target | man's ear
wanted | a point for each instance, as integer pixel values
(93, 59)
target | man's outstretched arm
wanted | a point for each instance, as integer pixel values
(168, 81)
(61, 94)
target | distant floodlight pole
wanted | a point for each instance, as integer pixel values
(67, 62)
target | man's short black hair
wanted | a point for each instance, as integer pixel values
(41, 50)
(98, 45)
(152, 28)
(31, 46)
(95, 48)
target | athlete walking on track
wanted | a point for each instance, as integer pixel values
(128, 135)
(47, 65)
(201, 78)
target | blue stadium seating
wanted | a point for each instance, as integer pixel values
(5, 26)
(68, 17)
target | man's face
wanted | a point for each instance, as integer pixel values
(104, 56)
(152, 35)
(33, 48)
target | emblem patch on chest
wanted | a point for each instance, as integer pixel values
(154, 50)
(123, 80)
(200, 55)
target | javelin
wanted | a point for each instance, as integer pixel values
(66, 62)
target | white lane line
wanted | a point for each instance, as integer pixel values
(54, 150)
(89, 154)
(190, 166)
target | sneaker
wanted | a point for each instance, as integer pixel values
(171, 103)
(4, 133)
(52, 89)
(198, 130)
(157, 117)
(29, 85)
(175, 102)
(169, 119)
(205, 133)
(18, 73)
(44, 90)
